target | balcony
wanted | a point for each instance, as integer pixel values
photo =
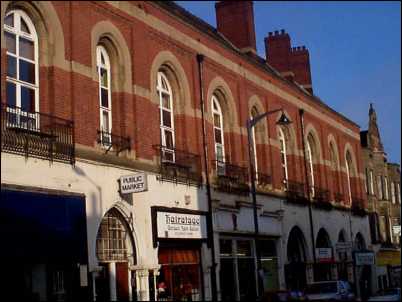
(263, 180)
(295, 192)
(230, 178)
(36, 134)
(320, 197)
(358, 208)
(179, 166)
(110, 141)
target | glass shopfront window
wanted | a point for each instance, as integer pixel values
(180, 275)
(237, 270)
(269, 263)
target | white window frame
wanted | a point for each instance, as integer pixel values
(386, 194)
(254, 144)
(220, 162)
(106, 135)
(348, 177)
(311, 166)
(379, 188)
(162, 91)
(393, 195)
(283, 151)
(32, 36)
(371, 182)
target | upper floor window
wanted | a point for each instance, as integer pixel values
(165, 94)
(349, 174)
(22, 79)
(283, 150)
(398, 193)
(105, 99)
(254, 113)
(386, 196)
(218, 135)
(393, 195)
(310, 157)
(371, 182)
(379, 187)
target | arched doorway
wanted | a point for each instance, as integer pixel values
(322, 269)
(363, 272)
(295, 269)
(116, 253)
(342, 252)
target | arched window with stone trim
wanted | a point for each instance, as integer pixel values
(283, 151)
(311, 159)
(334, 171)
(105, 95)
(165, 94)
(219, 138)
(22, 77)
(349, 173)
(253, 114)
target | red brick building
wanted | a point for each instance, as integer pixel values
(127, 76)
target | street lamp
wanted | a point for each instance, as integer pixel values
(283, 120)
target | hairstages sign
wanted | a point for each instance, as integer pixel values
(181, 226)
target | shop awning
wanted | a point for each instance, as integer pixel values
(42, 227)
(388, 257)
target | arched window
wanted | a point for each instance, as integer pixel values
(284, 163)
(165, 94)
(334, 165)
(254, 113)
(218, 136)
(22, 79)
(105, 100)
(349, 166)
(310, 165)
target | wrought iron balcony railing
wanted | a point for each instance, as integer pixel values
(36, 134)
(179, 166)
(263, 179)
(296, 192)
(231, 178)
(110, 141)
(339, 197)
(320, 197)
(358, 207)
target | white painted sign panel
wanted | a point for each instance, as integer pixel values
(323, 254)
(343, 246)
(83, 275)
(133, 183)
(181, 226)
(396, 229)
(364, 258)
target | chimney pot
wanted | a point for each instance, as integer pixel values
(282, 31)
(276, 32)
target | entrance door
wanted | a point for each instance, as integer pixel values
(122, 281)
(102, 284)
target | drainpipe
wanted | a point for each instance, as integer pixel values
(200, 59)
(301, 113)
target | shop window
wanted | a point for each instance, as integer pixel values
(180, 275)
(269, 264)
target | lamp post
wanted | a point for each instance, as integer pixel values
(283, 120)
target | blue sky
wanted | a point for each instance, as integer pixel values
(355, 54)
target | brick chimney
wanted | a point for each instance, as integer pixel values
(292, 62)
(235, 20)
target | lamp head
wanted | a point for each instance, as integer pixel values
(283, 120)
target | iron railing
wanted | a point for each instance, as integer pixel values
(179, 166)
(230, 178)
(296, 192)
(358, 207)
(263, 179)
(114, 142)
(36, 134)
(339, 197)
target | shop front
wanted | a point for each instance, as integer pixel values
(390, 261)
(45, 245)
(179, 235)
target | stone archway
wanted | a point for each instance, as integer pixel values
(295, 269)
(115, 250)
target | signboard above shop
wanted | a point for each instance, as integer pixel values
(133, 183)
(364, 258)
(181, 226)
(323, 254)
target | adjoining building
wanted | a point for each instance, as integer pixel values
(125, 161)
(384, 201)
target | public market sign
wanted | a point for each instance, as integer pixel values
(343, 246)
(363, 258)
(133, 183)
(323, 254)
(181, 226)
